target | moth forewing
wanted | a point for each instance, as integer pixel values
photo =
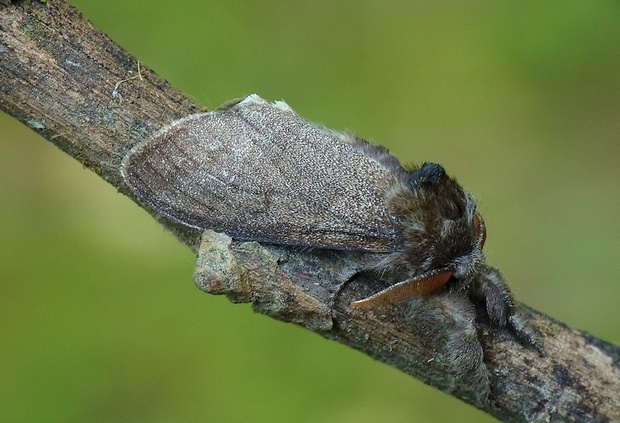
(258, 171)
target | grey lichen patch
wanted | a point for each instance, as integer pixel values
(250, 272)
(34, 124)
(217, 271)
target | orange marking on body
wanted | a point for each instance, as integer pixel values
(404, 291)
(481, 232)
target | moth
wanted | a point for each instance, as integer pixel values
(258, 171)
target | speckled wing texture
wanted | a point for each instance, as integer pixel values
(258, 171)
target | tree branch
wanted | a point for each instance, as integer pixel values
(75, 87)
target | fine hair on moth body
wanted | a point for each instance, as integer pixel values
(258, 171)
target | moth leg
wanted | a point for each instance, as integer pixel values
(524, 330)
(491, 287)
(359, 265)
(500, 306)
(347, 279)
(445, 321)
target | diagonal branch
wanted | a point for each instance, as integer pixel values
(75, 87)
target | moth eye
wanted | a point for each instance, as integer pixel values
(481, 232)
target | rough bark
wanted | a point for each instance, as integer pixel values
(70, 83)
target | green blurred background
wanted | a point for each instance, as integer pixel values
(99, 317)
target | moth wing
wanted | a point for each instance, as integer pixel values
(258, 171)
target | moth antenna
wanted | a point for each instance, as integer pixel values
(405, 290)
(428, 172)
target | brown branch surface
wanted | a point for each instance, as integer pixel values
(70, 83)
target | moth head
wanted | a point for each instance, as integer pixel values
(442, 236)
(440, 227)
